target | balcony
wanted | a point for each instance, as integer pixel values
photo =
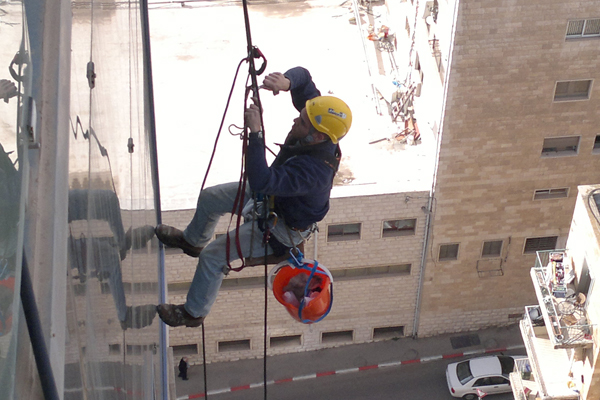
(548, 372)
(563, 309)
(522, 380)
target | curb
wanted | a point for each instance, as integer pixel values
(351, 370)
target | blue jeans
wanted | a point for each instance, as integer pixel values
(213, 203)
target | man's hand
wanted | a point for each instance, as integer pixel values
(7, 89)
(252, 117)
(276, 82)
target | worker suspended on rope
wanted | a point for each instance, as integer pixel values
(300, 180)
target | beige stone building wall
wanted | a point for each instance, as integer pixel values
(361, 304)
(504, 66)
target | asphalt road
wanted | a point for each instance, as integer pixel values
(405, 382)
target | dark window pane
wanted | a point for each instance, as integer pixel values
(343, 232)
(492, 248)
(575, 28)
(572, 90)
(551, 193)
(399, 227)
(560, 145)
(541, 243)
(448, 252)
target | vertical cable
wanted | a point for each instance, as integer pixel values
(36, 335)
(204, 361)
(151, 135)
(265, 332)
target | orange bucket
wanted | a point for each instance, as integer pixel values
(318, 307)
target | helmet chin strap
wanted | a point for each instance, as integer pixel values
(311, 139)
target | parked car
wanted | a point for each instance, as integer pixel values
(489, 374)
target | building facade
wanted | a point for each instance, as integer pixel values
(518, 133)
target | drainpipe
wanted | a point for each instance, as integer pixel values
(422, 266)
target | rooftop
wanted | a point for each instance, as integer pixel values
(195, 52)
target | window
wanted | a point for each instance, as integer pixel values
(572, 90)
(337, 337)
(560, 146)
(482, 382)
(585, 281)
(540, 243)
(596, 149)
(550, 193)
(371, 272)
(388, 332)
(582, 28)
(507, 364)
(492, 248)
(448, 252)
(337, 233)
(498, 380)
(234, 345)
(138, 349)
(490, 381)
(114, 349)
(463, 372)
(185, 350)
(285, 341)
(399, 227)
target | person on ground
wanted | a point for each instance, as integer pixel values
(299, 182)
(183, 367)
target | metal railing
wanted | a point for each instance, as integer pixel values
(523, 367)
(543, 257)
(517, 386)
(522, 372)
(527, 328)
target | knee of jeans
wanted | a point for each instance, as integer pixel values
(208, 194)
(212, 259)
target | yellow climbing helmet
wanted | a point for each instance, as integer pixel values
(329, 115)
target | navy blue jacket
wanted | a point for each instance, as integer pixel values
(300, 182)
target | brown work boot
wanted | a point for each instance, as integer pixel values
(173, 237)
(176, 315)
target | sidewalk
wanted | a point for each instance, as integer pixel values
(244, 374)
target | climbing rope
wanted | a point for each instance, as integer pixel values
(253, 52)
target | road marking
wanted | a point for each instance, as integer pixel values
(356, 369)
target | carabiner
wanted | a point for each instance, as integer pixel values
(256, 53)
